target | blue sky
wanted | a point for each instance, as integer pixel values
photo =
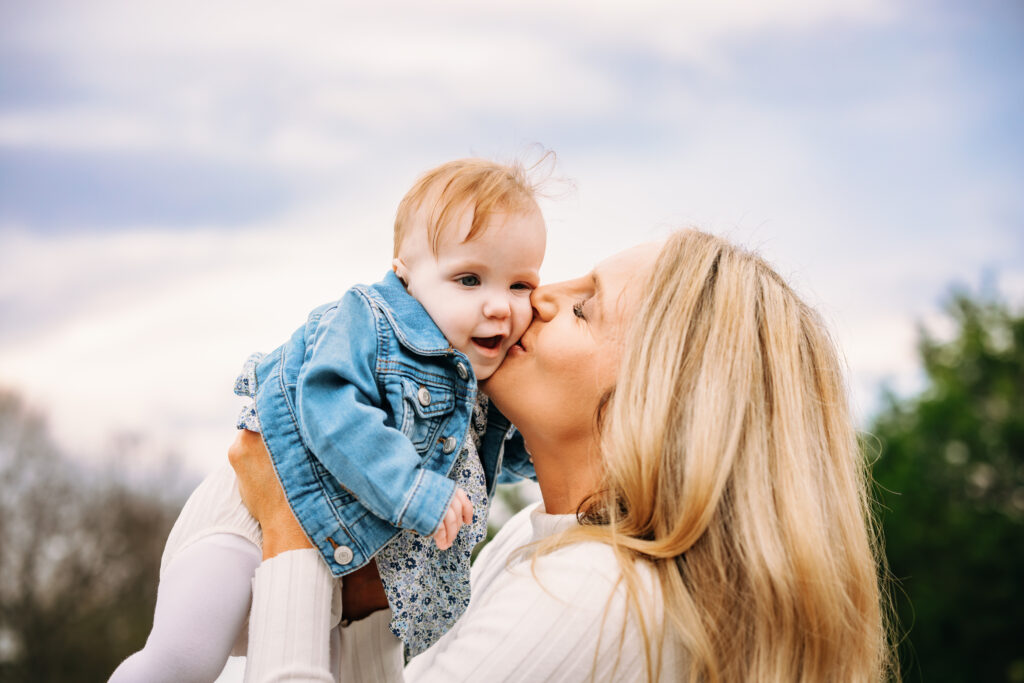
(181, 182)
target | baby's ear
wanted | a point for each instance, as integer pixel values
(398, 265)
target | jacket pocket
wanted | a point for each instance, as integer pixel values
(425, 409)
(335, 491)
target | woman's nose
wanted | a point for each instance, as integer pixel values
(544, 300)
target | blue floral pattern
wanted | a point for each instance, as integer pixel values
(429, 588)
(245, 385)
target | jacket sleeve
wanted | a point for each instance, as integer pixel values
(516, 464)
(341, 418)
(515, 460)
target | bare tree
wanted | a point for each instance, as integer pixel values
(79, 555)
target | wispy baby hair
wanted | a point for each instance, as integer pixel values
(442, 194)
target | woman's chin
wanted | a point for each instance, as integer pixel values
(513, 352)
(492, 384)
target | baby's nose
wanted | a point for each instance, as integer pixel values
(497, 307)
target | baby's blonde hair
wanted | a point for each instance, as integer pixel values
(731, 466)
(442, 194)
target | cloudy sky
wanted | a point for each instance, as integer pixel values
(180, 182)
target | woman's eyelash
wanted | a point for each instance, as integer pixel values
(577, 309)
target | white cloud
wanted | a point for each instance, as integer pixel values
(169, 317)
(400, 36)
(77, 128)
(302, 86)
(100, 129)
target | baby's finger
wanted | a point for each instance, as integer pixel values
(467, 506)
(458, 502)
(440, 537)
(451, 528)
(443, 537)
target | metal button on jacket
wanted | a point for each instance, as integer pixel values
(343, 554)
(424, 396)
(449, 444)
(460, 368)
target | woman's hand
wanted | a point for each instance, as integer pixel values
(262, 494)
(361, 591)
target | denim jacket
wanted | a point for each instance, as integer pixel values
(364, 411)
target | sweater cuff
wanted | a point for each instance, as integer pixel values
(291, 619)
(370, 651)
(428, 503)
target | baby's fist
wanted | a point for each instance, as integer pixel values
(460, 511)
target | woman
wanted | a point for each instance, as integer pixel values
(705, 513)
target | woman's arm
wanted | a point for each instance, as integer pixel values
(293, 591)
(262, 494)
(291, 619)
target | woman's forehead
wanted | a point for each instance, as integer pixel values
(617, 272)
(617, 279)
(638, 255)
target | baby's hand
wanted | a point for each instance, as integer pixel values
(460, 512)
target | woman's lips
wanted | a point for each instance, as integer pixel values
(516, 349)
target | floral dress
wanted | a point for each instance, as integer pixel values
(429, 588)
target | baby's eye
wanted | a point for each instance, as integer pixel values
(469, 281)
(523, 286)
(577, 309)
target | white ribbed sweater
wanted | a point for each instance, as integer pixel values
(517, 628)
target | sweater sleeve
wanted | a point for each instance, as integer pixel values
(290, 620)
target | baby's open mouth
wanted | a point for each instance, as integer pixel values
(489, 342)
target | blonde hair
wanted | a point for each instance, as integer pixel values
(731, 466)
(478, 185)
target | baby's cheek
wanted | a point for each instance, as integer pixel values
(522, 314)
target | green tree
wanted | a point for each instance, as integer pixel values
(79, 555)
(951, 481)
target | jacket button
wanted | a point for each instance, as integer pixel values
(424, 397)
(343, 554)
(461, 369)
(449, 444)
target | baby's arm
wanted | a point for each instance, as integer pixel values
(340, 414)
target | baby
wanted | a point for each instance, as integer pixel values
(375, 425)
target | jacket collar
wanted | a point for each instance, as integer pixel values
(413, 325)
